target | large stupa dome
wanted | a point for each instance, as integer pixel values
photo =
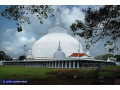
(46, 46)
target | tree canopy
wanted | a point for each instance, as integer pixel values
(100, 24)
(20, 13)
(22, 57)
(4, 56)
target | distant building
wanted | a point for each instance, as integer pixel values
(15, 59)
(29, 55)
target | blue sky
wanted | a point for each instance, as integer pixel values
(12, 42)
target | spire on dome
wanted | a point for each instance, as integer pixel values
(58, 21)
(59, 47)
(108, 58)
(59, 54)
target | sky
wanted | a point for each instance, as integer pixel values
(12, 42)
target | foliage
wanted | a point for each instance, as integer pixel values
(117, 56)
(1, 57)
(102, 24)
(22, 57)
(105, 57)
(20, 13)
(5, 57)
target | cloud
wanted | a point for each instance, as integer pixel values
(14, 46)
(35, 28)
(69, 16)
(8, 32)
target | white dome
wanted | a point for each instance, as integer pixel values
(59, 54)
(88, 53)
(47, 45)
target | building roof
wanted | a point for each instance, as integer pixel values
(80, 54)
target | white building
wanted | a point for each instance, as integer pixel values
(29, 55)
(1, 62)
(46, 46)
(59, 54)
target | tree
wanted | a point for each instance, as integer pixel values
(102, 24)
(104, 57)
(22, 57)
(20, 13)
(1, 57)
(4, 56)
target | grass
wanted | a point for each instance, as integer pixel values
(20, 72)
(110, 67)
(106, 74)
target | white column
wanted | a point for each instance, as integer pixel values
(78, 64)
(62, 64)
(73, 64)
(69, 64)
(35, 64)
(58, 64)
(39, 64)
(55, 64)
(46, 64)
(65, 64)
(52, 64)
(49, 64)
(42, 64)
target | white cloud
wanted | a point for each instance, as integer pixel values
(14, 46)
(69, 16)
(35, 28)
(9, 30)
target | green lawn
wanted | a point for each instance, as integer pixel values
(110, 67)
(20, 72)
